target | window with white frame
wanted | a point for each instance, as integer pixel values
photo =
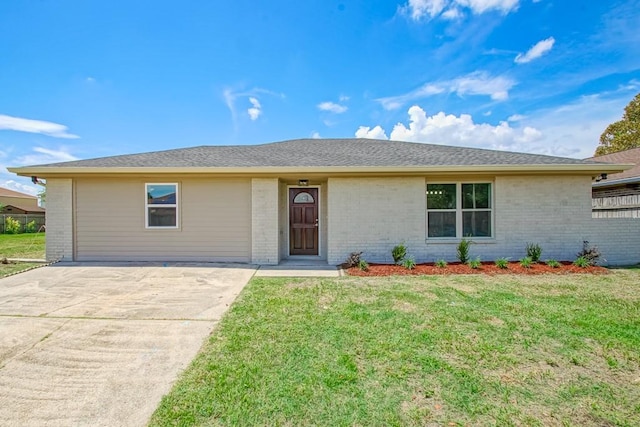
(161, 205)
(456, 210)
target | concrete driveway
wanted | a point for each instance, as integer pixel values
(100, 344)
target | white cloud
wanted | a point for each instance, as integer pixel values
(37, 156)
(375, 133)
(20, 187)
(536, 51)
(315, 135)
(574, 129)
(482, 6)
(451, 9)
(35, 126)
(43, 155)
(476, 83)
(256, 110)
(448, 129)
(418, 9)
(571, 130)
(230, 99)
(332, 107)
(395, 102)
(230, 96)
(343, 98)
(632, 85)
(453, 13)
(460, 130)
(480, 83)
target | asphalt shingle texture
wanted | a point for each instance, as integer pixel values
(631, 156)
(322, 153)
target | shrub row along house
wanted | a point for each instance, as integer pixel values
(323, 199)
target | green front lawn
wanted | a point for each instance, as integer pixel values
(26, 245)
(413, 351)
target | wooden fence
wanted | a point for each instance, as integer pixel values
(23, 219)
(616, 207)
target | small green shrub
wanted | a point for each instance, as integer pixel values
(353, 260)
(399, 252)
(12, 226)
(409, 263)
(582, 261)
(534, 251)
(30, 227)
(474, 263)
(502, 263)
(441, 263)
(363, 265)
(463, 250)
(526, 262)
(553, 263)
(590, 253)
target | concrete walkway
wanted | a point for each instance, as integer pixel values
(299, 268)
(99, 345)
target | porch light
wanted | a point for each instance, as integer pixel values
(303, 182)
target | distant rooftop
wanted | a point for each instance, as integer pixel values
(626, 156)
(5, 192)
(28, 209)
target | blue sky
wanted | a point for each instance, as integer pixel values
(82, 79)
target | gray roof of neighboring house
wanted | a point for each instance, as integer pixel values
(321, 153)
(629, 176)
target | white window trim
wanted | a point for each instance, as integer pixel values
(459, 210)
(164, 205)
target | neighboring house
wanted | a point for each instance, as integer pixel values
(323, 199)
(21, 207)
(21, 210)
(14, 198)
(618, 196)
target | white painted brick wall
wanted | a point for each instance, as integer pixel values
(553, 211)
(59, 216)
(283, 232)
(618, 239)
(264, 221)
(373, 215)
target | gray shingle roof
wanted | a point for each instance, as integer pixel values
(322, 153)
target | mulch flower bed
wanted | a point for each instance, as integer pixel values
(486, 268)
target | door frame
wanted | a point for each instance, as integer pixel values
(320, 224)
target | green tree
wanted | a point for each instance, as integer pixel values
(623, 134)
(42, 194)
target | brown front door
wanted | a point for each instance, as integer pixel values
(303, 221)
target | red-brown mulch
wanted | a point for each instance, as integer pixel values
(458, 268)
